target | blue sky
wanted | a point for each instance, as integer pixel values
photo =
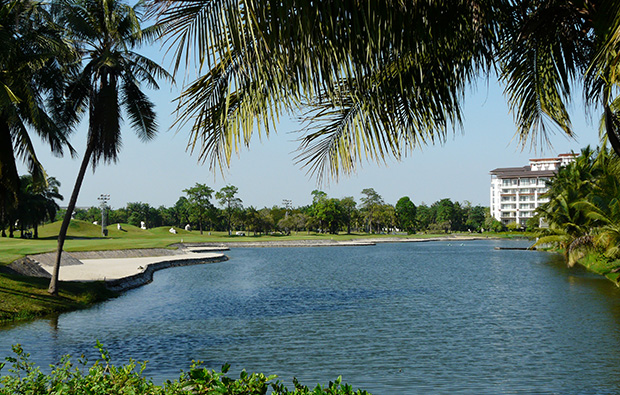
(158, 171)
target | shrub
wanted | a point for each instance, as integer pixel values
(103, 378)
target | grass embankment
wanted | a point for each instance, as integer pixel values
(25, 297)
(601, 265)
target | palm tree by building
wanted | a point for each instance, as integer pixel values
(106, 33)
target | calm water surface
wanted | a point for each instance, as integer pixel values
(412, 318)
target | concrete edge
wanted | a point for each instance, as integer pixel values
(226, 245)
(146, 276)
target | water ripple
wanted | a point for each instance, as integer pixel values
(394, 319)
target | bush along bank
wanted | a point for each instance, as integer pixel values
(20, 376)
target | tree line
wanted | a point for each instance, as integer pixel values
(203, 209)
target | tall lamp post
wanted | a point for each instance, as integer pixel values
(104, 200)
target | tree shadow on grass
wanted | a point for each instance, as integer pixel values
(72, 238)
(39, 286)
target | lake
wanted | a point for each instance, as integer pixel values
(405, 318)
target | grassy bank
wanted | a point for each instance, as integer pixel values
(26, 297)
(603, 266)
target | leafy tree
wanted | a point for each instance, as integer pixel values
(405, 212)
(425, 216)
(106, 33)
(445, 213)
(252, 219)
(475, 218)
(228, 199)
(513, 226)
(139, 212)
(277, 213)
(318, 195)
(442, 226)
(386, 217)
(90, 214)
(458, 217)
(182, 210)
(286, 224)
(298, 221)
(329, 213)
(168, 216)
(348, 206)
(267, 223)
(371, 202)
(491, 223)
(118, 216)
(199, 202)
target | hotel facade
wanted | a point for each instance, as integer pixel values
(516, 191)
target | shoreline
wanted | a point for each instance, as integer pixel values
(146, 276)
(103, 274)
(122, 270)
(328, 243)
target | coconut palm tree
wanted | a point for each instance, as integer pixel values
(106, 32)
(33, 61)
(37, 203)
(569, 229)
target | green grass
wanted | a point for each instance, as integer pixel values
(25, 298)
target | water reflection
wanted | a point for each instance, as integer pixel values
(401, 318)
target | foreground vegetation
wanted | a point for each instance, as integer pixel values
(67, 377)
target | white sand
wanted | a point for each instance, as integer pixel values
(112, 269)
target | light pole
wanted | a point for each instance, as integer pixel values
(104, 200)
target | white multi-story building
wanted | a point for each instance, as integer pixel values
(516, 191)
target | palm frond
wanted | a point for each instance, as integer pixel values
(140, 109)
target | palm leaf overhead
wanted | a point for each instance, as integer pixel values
(401, 68)
(377, 79)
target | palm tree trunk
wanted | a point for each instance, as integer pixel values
(611, 132)
(53, 288)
